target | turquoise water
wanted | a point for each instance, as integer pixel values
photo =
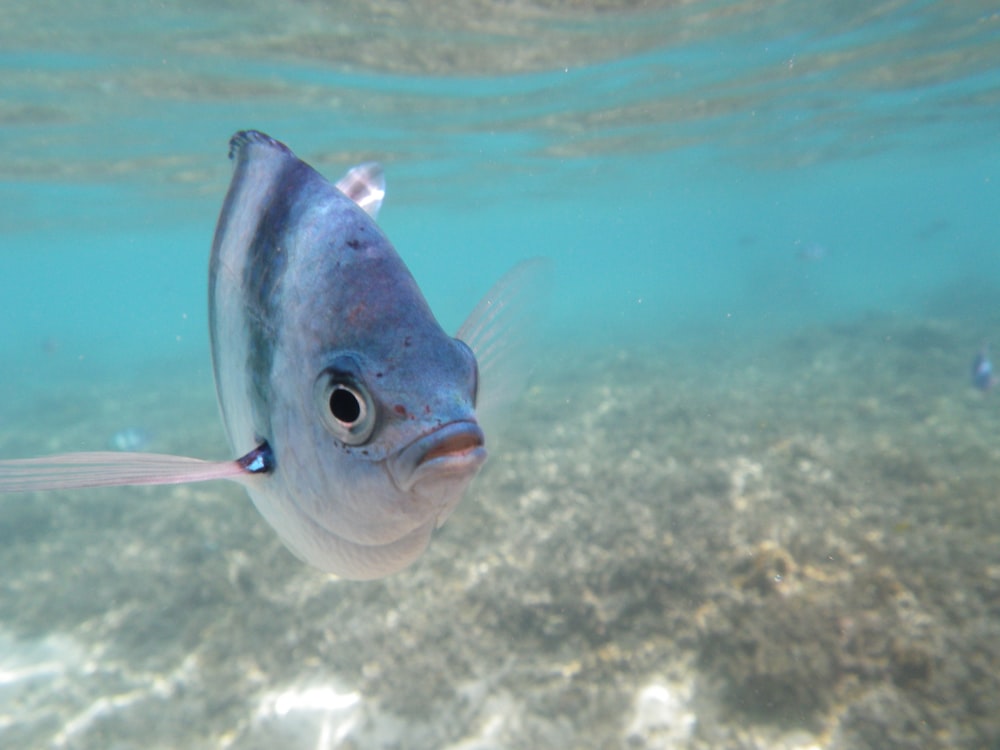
(687, 174)
(773, 221)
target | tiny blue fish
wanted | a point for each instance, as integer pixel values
(982, 370)
(130, 439)
(355, 417)
(810, 252)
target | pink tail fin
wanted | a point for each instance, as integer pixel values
(110, 469)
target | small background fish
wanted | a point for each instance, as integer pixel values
(983, 378)
(130, 439)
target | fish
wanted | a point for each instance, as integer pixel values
(357, 421)
(810, 252)
(130, 439)
(983, 378)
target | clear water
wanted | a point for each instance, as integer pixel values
(711, 178)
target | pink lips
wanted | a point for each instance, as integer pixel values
(455, 450)
(458, 445)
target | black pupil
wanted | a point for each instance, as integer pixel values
(344, 406)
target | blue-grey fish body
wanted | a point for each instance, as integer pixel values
(353, 414)
(328, 359)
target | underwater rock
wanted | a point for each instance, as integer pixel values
(884, 718)
(910, 663)
(767, 569)
(661, 716)
(776, 659)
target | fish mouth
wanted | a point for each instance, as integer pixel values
(451, 451)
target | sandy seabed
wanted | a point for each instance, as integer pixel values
(784, 545)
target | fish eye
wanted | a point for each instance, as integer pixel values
(346, 408)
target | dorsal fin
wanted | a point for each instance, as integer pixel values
(246, 138)
(363, 184)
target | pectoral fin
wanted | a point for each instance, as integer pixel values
(502, 331)
(365, 185)
(111, 469)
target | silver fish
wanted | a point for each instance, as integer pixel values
(355, 416)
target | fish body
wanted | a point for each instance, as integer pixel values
(810, 252)
(325, 350)
(983, 378)
(129, 439)
(354, 417)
